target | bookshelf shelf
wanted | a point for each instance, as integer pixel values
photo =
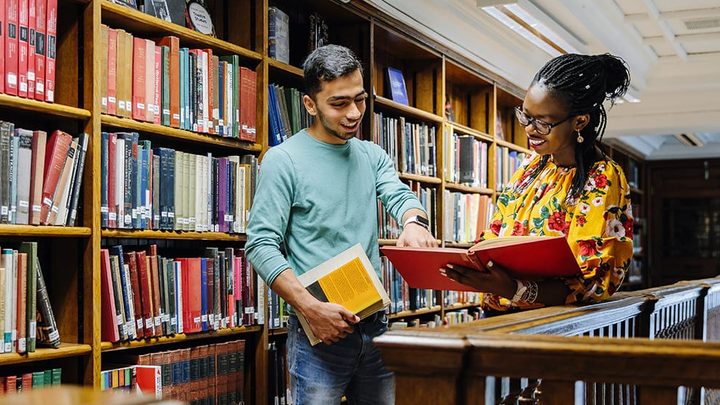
(278, 332)
(65, 350)
(387, 242)
(482, 136)
(285, 68)
(468, 189)
(419, 178)
(57, 110)
(155, 129)
(54, 231)
(407, 110)
(176, 235)
(181, 337)
(512, 146)
(459, 306)
(139, 22)
(415, 312)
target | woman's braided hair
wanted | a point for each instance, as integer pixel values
(582, 83)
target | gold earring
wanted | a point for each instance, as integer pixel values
(580, 138)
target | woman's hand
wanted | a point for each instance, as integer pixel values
(494, 280)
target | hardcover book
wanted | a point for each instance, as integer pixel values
(525, 257)
(347, 279)
(396, 85)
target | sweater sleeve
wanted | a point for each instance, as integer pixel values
(396, 196)
(269, 215)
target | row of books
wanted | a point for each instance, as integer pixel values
(466, 160)
(506, 163)
(137, 379)
(145, 294)
(30, 381)
(175, 86)
(26, 316)
(28, 40)
(388, 228)
(466, 216)
(160, 188)
(286, 113)
(205, 374)
(40, 179)
(402, 297)
(277, 314)
(411, 146)
(278, 375)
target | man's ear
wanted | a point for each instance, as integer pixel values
(310, 105)
(581, 122)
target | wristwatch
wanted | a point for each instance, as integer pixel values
(422, 221)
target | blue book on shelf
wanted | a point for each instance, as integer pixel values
(396, 82)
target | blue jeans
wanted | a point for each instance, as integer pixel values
(322, 374)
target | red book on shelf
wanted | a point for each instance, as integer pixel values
(3, 28)
(145, 294)
(55, 157)
(32, 28)
(23, 37)
(248, 104)
(211, 73)
(149, 380)
(174, 44)
(149, 81)
(11, 46)
(139, 53)
(40, 48)
(157, 90)
(108, 323)
(51, 50)
(153, 274)
(130, 260)
(526, 257)
(192, 296)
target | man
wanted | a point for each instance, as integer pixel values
(317, 194)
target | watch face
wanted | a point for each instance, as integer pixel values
(422, 221)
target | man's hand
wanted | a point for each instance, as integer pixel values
(414, 235)
(330, 322)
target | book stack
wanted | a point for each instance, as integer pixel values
(147, 295)
(164, 83)
(30, 381)
(40, 178)
(28, 38)
(412, 146)
(286, 113)
(163, 189)
(212, 373)
(466, 216)
(26, 315)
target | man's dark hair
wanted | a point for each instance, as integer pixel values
(327, 63)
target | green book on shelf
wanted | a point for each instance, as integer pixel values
(165, 103)
(30, 249)
(38, 379)
(56, 376)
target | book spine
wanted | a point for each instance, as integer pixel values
(50, 57)
(77, 180)
(48, 334)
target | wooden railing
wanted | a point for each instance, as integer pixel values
(656, 346)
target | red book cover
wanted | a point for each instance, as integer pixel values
(40, 47)
(3, 28)
(149, 380)
(108, 321)
(130, 259)
(27, 381)
(51, 50)
(11, 46)
(23, 35)
(149, 81)
(526, 257)
(37, 174)
(112, 71)
(157, 92)
(154, 275)
(248, 105)
(146, 298)
(138, 79)
(55, 157)
(32, 24)
(174, 44)
(192, 296)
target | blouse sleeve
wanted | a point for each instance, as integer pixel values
(600, 235)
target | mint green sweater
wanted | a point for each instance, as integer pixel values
(320, 199)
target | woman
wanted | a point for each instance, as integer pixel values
(567, 187)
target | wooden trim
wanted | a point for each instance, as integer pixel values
(65, 350)
(172, 235)
(139, 22)
(415, 312)
(468, 189)
(57, 110)
(180, 337)
(419, 178)
(407, 110)
(284, 67)
(480, 135)
(49, 231)
(512, 146)
(175, 133)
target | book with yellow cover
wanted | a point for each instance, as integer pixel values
(347, 279)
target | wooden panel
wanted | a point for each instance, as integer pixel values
(658, 395)
(65, 350)
(558, 392)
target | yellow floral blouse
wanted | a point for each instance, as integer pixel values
(598, 224)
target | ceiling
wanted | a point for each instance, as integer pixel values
(672, 48)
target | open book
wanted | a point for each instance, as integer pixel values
(348, 279)
(524, 257)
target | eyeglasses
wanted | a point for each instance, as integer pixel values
(542, 127)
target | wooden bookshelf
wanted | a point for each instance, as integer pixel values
(180, 337)
(468, 189)
(173, 235)
(51, 109)
(40, 354)
(278, 332)
(512, 146)
(419, 178)
(284, 67)
(407, 111)
(415, 313)
(49, 231)
(481, 136)
(179, 134)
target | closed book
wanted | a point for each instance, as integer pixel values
(51, 51)
(23, 41)
(55, 158)
(112, 71)
(104, 39)
(110, 327)
(47, 330)
(25, 140)
(146, 296)
(56, 199)
(119, 299)
(21, 313)
(130, 260)
(149, 81)
(6, 130)
(165, 85)
(74, 199)
(37, 174)
(525, 257)
(11, 46)
(153, 273)
(32, 27)
(3, 31)
(139, 65)
(40, 48)
(30, 250)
